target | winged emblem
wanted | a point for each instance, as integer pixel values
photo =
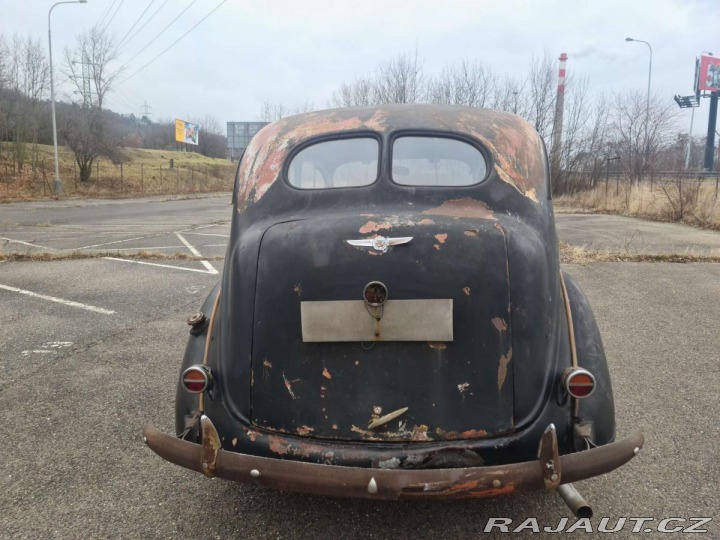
(380, 243)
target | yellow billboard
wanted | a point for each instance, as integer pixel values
(185, 132)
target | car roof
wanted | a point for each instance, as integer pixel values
(516, 148)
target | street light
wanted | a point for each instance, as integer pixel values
(647, 107)
(57, 185)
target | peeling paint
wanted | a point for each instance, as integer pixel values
(304, 430)
(426, 221)
(467, 208)
(466, 291)
(420, 433)
(441, 237)
(326, 373)
(439, 345)
(499, 324)
(462, 388)
(298, 290)
(234, 441)
(471, 232)
(372, 226)
(392, 463)
(502, 368)
(289, 387)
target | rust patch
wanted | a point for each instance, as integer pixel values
(437, 246)
(439, 345)
(334, 426)
(441, 237)
(473, 434)
(502, 368)
(420, 433)
(278, 445)
(372, 226)
(466, 291)
(304, 430)
(471, 232)
(252, 435)
(326, 373)
(499, 324)
(462, 388)
(426, 221)
(467, 208)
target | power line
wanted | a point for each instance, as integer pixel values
(176, 41)
(158, 35)
(146, 22)
(102, 19)
(134, 24)
(113, 15)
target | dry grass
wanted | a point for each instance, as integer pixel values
(147, 173)
(580, 255)
(687, 202)
(74, 255)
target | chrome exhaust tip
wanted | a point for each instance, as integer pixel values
(576, 502)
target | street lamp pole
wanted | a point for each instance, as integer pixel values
(647, 107)
(57, 185)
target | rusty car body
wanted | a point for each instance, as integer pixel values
(454, 383)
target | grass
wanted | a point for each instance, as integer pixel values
(146, 173)
(686, 201)
(76, 255)
(580, 255)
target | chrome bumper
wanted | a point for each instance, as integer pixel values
(547, 472)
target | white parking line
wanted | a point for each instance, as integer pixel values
(208, 234)
(163, 265)
(135, 248)
(206, 264)
(58, 300)
(25, 243)
(121, 241)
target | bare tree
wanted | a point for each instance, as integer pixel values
(470, 83)
(541, 85)
(89, 66)
(400, 80)
(270, 112)
(356, 94)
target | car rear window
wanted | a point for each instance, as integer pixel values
(436, 161)
(335, 164)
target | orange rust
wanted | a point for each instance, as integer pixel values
(499, 324)
(372, 226)
(502, 368)
(467, 208)
(441, 237)
(304, 430)
(437, 246)
(420, 433)
(473, 434)
(492, 492)
(464, 486)
(278, 445)
(326, 373)
(426, 221)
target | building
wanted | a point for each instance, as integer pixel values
(239, 135)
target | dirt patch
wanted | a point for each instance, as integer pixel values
(581, 255)
(74, 255)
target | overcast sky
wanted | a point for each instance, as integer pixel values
(297, 51)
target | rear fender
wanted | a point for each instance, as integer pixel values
(187, 404)
(600, 406)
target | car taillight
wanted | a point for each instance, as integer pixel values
(579, 382)
(196, 379)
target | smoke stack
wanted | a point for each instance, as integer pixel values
(559, 106)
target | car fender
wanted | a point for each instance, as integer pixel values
(187, 404)
(600, 406)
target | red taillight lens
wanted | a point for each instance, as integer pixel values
(579, 382)
(196, 379)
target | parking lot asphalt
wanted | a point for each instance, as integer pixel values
(76, 385)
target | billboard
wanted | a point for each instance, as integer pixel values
(709, 78)
(185, 132)
(239, 135)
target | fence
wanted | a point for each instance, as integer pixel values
(108, 179)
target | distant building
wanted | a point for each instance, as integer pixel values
(239, 135)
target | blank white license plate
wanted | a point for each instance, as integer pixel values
(402, 320)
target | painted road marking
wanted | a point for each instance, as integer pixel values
(121, 241)
(70, 303)
(208, 234)
(206, 264)
(162, 265)
(25, 243)
(51, 345)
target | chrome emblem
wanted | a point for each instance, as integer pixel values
(380, 243)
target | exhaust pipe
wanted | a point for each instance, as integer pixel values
(576, 502)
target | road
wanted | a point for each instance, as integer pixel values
(95, 355)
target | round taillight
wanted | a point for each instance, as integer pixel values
(196, 379)
(579, 383)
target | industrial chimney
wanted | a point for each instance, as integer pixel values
(559, 106)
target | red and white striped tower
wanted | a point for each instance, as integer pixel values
(559, 106)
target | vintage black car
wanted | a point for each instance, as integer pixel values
(392, 321)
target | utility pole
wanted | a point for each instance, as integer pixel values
(146, 110)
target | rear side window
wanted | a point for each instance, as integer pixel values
(436, 161)
(335, 164)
